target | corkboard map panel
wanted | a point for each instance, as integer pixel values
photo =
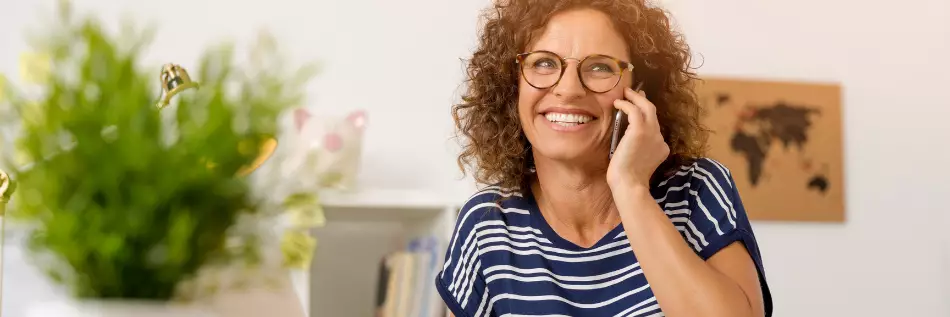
(782, 142)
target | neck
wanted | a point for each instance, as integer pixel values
(575, 197)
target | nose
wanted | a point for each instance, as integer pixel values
(570, 86)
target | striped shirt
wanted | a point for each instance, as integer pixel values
(504, 260)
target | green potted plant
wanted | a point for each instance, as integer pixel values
(130, 205)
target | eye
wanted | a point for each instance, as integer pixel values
(601, 68)
(545, 63)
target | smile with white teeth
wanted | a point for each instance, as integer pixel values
(568, 119)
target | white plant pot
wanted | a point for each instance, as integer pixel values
(116, 308)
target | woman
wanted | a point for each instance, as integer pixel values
(654, 230)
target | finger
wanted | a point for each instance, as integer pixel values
(644, 104)
(634, 114)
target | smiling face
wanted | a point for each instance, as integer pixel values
(568, 122)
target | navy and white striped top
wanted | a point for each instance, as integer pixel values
(504, 260)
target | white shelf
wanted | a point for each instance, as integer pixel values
(385, 199)
(363, 226)
(384, 205)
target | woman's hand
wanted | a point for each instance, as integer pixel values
(642, 148)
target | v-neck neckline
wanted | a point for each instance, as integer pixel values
(542, 224)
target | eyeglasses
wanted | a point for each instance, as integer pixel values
(598, 73)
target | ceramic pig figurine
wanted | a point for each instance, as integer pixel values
(326, 151)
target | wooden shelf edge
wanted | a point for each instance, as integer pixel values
(381, 198)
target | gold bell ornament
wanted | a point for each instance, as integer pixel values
(175, 79)
(6, 190)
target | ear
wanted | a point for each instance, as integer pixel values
(301, 115)
(357, 119)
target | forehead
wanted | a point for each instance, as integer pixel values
(580, 32)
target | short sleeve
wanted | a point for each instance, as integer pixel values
(460, 282)
(718, 218)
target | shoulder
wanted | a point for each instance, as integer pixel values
(483, 219)
(492, 194)
(711, 182)
(702, 171)
(491, 203)
(704, 178)
(712, 172)
(492, 211)
(702, 185)
(702, 200)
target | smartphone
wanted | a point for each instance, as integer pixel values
(620, 126)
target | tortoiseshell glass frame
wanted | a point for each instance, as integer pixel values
(624, 65)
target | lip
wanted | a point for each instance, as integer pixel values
(568, 111)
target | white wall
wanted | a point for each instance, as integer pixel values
(889, 259)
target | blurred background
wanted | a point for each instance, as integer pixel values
(402, 62)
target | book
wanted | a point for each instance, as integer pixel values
(405, 287)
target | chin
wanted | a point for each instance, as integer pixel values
(566, 151)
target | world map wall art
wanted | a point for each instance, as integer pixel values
(782, 141)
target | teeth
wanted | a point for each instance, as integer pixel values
(568, 119)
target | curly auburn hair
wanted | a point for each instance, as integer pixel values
(487, 117)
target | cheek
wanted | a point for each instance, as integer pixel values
(528, 101)
(606, 100)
